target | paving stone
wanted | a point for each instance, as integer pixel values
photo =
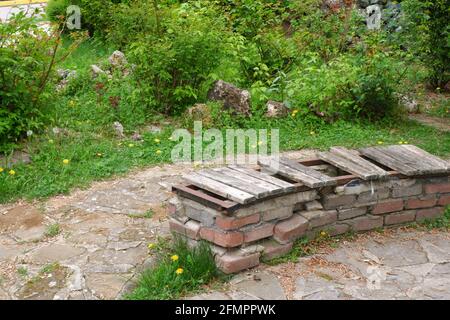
(106, 286)
(398, 254)
(316, 288)
(55, 253)
(262, 285)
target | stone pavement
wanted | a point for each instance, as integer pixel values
(397, 264)
(93, 243)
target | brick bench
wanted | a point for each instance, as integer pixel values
(367, 196)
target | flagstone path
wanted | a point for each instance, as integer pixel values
(92, 244)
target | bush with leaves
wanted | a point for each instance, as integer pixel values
(426, 33)
(176, 60)
(28, 55)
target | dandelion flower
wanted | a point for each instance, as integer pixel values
(158, 151)
(51, 141)
(1, 169)
(157, 140)
(323, 234)
(380, 142)
(99, 154)
(131, 145)
(66, 161)
(312, 133)
(151, 246)
(174, 257)
(12, 172)
(179, 271)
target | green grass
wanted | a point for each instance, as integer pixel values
(22, 271)
(53, 230)
(180, 270)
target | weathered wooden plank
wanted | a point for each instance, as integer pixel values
(296, 172)
(306, 170)
(354, 155)
(205, 199)
(353, 163)
(423, 160)
(220, 189)
(388, 160)
(419, 163)
(236, 183)
(419, 152)
(271, 188)
(286, 186)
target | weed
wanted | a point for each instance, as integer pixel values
(53, 230)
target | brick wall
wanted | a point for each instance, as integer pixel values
(267, 229)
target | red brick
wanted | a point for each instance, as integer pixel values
(259, 232)
(432, 213)
(437, 188)
(190, 229)
(400, 217)
(172, 209)
(386, 207)
(444, 200)
(232, 223)
(291, 229)
(232, 263)
(421, 203)
(224, 239)
(273, 249)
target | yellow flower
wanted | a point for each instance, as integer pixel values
(99, 154)
(405, 142)
(131, 145)
(151, 246)
(50, 141)
(157, 141)
(158, 151)
(260, 143)
(179, 271)
(71, 103)
(312, 133)
(400, 142)
(66, 161)
(1, 170)
(12, 172)
(380, 142)
(323, 234)
(174, 257)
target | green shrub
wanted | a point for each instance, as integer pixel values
(174, 64)
(426, 33)
(56, 9)
(348, 87)
(179, 270)
(27, 59)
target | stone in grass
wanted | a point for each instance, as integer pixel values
(233, 98)
(276, 109)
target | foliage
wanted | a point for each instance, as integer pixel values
(179, 270)
(174, 63)
(426, 32)
(28, 55)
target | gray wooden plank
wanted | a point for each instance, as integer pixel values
(306, 170)
(431, 160)
(220, 189)
(287, 187)
(420, 163)
(354, 155)
(271, 188)
(236, 183)
(353, 163)
(300, 173)
(388, 160)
